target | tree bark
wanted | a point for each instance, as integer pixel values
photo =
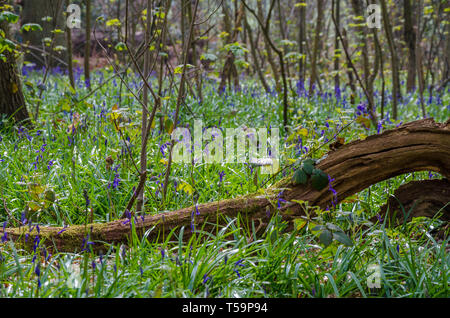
(410, 39)
(302, 43)
(423, 198)
(33, 12)
(418, 146)
(69, 53)
(394, 60)
(316, 53)
(336, 43)
(87, 47)
(12, 101)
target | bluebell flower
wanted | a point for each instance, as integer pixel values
(206, 278)
(37, 270)
(5, 234)
(221, 175)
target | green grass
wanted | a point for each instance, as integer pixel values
(229, 263)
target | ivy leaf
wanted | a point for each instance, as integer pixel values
(299, 177)
(326, 237)
(342, 238)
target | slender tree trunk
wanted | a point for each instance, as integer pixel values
(410, 39)
(256, 65)
(316, 53)
(12, 102)
(336, 45)
(69, 53)
(267, 46)
(418, 61)
(229, 68)
(33, 12)
(368, 79)
(302, 42)
(87, 47)
(143, 159)
(394, 60)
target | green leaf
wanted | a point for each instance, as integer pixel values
(326, 237)
(120, 47)
(319, 179)
(308, 167)
(168, 125)
(318, 228)
(9, 17)
(342, 238)
(30, 27)
(299, 177)
(208, 57)
(334, 227)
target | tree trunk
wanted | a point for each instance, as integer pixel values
(270, 59)
(410, 39)
(12, 102)
(394, 60)
(87, 47)
(69, 53)
(143, 159)
(229, 68)
(418, 146)
(256, 64)
(316, 53)
(423, 198)
(302, 43)
(336, 44)
(33, 12)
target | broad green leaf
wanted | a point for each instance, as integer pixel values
(308, 167)
(319, 179)
(326, 237)
(31, 27)
(334, 227)
(299, 177)
(342, 238)
(9, 17)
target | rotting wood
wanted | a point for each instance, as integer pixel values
(424, 198)
(422, 145)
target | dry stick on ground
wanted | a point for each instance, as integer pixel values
(417, 146)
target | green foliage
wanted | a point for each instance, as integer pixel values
(326, 256)
(8, 17)
(31, 27)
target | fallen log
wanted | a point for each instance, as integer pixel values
(425, 198)
(422, 145)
